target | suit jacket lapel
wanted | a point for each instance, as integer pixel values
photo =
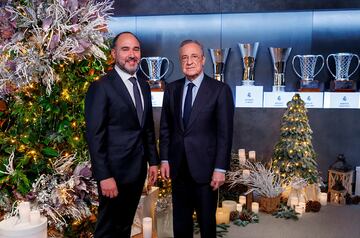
(122, 91)
(143, 86)
(200, 100)
(178, 95)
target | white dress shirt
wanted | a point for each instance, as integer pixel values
(197, 82)
(125, 78)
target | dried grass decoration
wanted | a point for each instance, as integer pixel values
(261, 180)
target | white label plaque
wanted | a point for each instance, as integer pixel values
(277, 99)
(249, 96)
(312, 100)
(341, 100)
(157, 99)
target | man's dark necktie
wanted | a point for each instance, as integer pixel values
(187, 104)
(138, 103)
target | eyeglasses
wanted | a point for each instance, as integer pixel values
(185, 58)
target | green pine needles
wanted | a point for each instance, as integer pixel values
(294, 155)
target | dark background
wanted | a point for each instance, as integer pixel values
(309, 27)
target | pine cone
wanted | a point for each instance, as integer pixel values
(315, 206)
(244, 216)
(348, 199)
(356, 200)
(308, 206)
(234, 215)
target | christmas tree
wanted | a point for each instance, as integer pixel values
(49, 55)
(294, 155)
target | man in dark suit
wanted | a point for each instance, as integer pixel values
(195, 142)
(121, 139)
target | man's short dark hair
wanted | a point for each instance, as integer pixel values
(113, 43)
(189, 41)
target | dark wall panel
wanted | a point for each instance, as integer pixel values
(117, 24)
(284, 5)
(161, 36)
(315, 32)
(161, 7)
(334, 132)
(270, 30)
(165, 7)
(336, 31)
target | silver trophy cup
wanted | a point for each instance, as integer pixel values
(248, 53)
(279, 57)
(342, 65)
(154, 67)
(307, 66)
(219, 57)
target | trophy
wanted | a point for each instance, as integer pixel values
(154, 76)
(219, 57)
(279, 57)
(342, 65)
(248, 54)
(307, 69)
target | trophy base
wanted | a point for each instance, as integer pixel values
(343, 86)
(278, 88)
(248, 82)
(309, 86)
(156, 86)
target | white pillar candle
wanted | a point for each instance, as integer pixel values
(252, 155)
(24, 212)
(229, 205)
(246, 173)
(239, 207)
(147, 227)
(222, 216)
(242, 160)
(242, 199)
(323, 199)
(35, 217)
(302, 198)
(294, 201)
(255, 207)
(299, 209)
(303, 205)
(241, 153)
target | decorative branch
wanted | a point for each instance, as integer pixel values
(261, 180)
(50, 33)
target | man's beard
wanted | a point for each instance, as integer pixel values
(133, 71)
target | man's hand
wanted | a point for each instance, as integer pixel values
(152, 174)
(218, 179)
(109, 188)
(165, 170)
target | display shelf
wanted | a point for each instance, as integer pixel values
(249, 96)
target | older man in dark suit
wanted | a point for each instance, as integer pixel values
(121, 139)
(195, 141)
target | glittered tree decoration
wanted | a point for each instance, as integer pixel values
(294, 155)
(51, 52)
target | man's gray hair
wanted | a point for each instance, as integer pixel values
(189, 41)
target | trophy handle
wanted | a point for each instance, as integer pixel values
(357, 64)
(142, 68)
(327, 65)
(168, 64)
(323, 61)
(293, 65)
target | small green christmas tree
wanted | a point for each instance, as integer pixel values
(294, 155)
